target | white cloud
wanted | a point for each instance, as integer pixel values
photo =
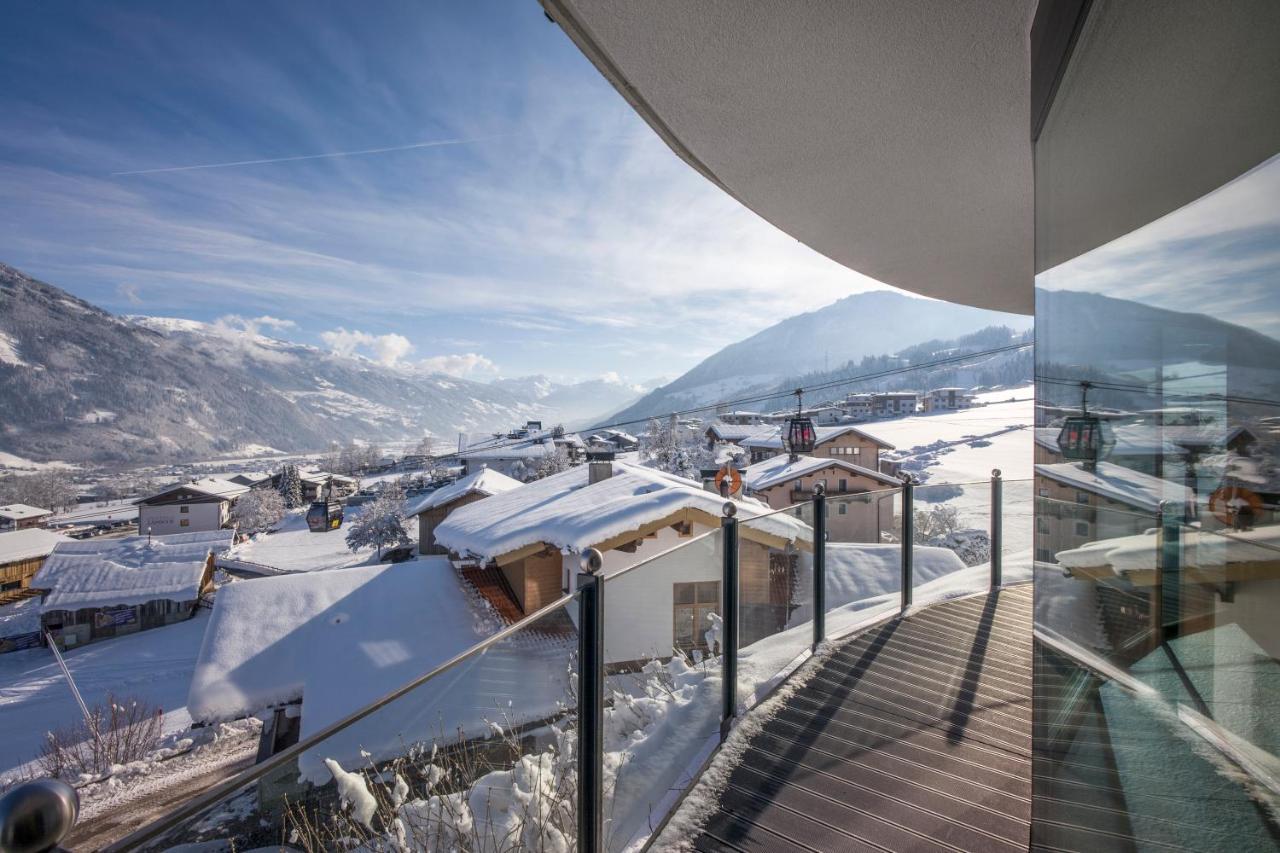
(389, 349)
(466, 364)
(274, 322)
(612, 377)
(130, 293)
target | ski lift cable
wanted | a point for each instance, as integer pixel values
(777, 395)
(1150, 389)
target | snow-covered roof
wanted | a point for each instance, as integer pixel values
(28, 544)
(22, 512)
(566, 512)
(1200, 550)
(739, 432)
(132, 570)
(486, 481)
(505, 448)
(771, 439)
(214, 487)
(340, 640)
(1117, 483)
(780, 469)
(19, 617)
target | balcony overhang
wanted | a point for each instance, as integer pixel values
(890, 137)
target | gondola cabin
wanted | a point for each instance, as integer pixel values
(324, 516)
(1086, 438)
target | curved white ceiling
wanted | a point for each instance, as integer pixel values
(893, 137)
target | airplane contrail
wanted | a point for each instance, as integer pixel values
(411, 146)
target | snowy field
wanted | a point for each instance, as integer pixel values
(964, 446)
(153, 665)
(294, 548)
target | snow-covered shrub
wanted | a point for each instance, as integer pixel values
(972, 546)
(118, 731)
(683, 454)
(552, 463)
(380, 524)
(258, 510)
(940, 526)
(446, 794)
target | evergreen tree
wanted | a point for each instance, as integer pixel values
(291, 486)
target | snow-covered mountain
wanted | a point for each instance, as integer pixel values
(864, 324)
(81, 384)
(576, 403)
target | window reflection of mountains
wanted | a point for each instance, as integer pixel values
(1200, 361)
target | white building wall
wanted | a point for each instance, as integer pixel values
(167, 518)
(639, 606)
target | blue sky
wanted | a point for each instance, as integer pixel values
(551, 232)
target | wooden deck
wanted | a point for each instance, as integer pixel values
(913, 736)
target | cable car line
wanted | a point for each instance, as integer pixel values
(821, 386)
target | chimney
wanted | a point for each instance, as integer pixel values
(599, 470)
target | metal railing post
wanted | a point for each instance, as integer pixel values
(1166, 610)
(590, 705)
(908, 538)
(819, 565)
(729, 624)
(997, 528)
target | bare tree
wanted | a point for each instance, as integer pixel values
(118, 731)
(51, 489)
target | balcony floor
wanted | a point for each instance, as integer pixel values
(913, 736)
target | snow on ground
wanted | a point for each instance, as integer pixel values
(9, 351)
(154, 665)
(9, 460)
(963, 446)
(294, 548)
(181, 756)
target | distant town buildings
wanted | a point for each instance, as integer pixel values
(22, 516)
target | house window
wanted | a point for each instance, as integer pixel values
(843, 510)
(1082, 497)
(184, 522)
(693, 603)
(184, 509)
(1042, 524)
(844, 485)
(1082, 528)
(1044, 493)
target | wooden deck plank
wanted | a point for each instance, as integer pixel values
(913, 736)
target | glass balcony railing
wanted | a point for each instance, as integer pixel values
(595, 714)
(478, 754)
(1155, 715)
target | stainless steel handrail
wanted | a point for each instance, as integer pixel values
(257, 771)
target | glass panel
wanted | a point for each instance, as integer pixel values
(1018, 515)
(952, 540)
(478, 757)
(864, 558)
(663, 691)
(1158, 336)
(775, 595)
